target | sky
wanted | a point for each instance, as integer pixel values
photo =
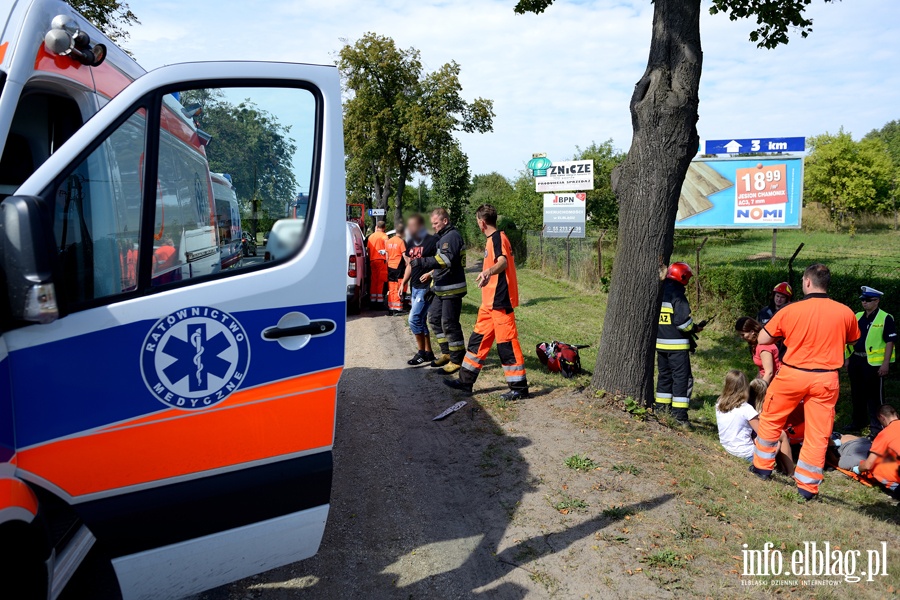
(563, 79)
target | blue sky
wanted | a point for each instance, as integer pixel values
(564, 78)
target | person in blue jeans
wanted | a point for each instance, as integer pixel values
(420, 244)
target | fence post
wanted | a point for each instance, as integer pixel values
(569, 255)
(600, 252)
(774, 239)
(542, 246)
(697, 277)
(791, 265)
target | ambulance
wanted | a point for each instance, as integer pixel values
(163, 421)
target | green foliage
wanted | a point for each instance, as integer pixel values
(602, 207)
(109, 16)
(890, 135)
(666, 559)
(634, 409)
(451, 184)
(568, 503)
(849, 177)
(254, 147)
(617, 512)
(630, 469)
(577, 462)
(774, 17)
(398, 120)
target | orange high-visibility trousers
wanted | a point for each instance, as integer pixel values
(394, 301)
(819, 394)
(499, 325)
(377, 279)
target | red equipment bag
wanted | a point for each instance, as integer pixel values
(559, 357)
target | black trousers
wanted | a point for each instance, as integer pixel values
(443, 317)
(675, 382)
(866, 392)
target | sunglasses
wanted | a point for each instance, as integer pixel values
(867, 300)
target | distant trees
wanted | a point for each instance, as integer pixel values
(452, 184)
(399, 120)
(111, 17)
(851, 177)
(517, 200)
(254, 147)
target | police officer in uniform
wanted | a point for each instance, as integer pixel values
(869, 361)
(674, 338)
(449, 288)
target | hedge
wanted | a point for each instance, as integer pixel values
(729, 291)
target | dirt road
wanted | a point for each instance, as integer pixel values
(465, 507)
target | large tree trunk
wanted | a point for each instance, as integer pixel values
(647, 185)
(401, 187)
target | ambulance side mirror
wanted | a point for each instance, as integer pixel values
(27, 259)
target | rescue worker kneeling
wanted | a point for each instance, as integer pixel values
(674, 336)
(496, 319)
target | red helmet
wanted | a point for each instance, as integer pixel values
(680, 272)
(784, 288)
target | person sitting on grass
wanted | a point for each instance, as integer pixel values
(882, 460)
(766, 357)
(737, 420)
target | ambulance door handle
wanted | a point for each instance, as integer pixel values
(312, 329)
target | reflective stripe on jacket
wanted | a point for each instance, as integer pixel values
(675, 322)
(875, 344)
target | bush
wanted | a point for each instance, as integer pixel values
(743, 290)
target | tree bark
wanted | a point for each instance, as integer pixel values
(401, 187)
(647, 186)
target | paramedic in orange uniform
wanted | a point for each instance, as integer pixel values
(378, 274)
(496, 319)
(815, 330)
(396, 267)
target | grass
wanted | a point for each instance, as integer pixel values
(630, 469)
(719, 506)
(617, 512)
(576, 462)
(665, 559)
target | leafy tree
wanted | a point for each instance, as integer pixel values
(602, 207)
(398, 120)
(451, 184)
(849, 177)
(890, 135)
(251, 145)
(109, 16)
(648, 182)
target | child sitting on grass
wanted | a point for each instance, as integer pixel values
(737, 419)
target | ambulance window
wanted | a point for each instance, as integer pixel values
(96, 217)
(231, 161)
(41, 124)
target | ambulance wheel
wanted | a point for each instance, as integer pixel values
(354, 305)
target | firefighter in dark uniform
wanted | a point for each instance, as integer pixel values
(869, 361)
(674, 338)
(449, 287)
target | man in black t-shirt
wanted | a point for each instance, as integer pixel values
(421, 244)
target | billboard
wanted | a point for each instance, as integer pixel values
(742, 193)
(564, 176)
(564, 213)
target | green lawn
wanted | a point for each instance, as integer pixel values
(719, 503)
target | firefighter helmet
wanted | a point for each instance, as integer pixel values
(784, 288)
(680, 272)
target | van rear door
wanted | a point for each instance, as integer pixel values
(186, 413)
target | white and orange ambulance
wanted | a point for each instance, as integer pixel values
(170, 416)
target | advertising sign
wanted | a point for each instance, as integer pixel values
(376, 212)
(564, 213)
(742, 193)
(566, 176)
(752, 146)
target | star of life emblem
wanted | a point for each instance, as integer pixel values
(195, 357)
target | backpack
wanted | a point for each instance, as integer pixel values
(559, 357)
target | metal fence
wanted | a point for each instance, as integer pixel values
(588, 261)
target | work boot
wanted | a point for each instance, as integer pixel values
(764, 475)
(459, 386)
(451, 367)
(806, 496)
(515, 395)
(441, 361)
